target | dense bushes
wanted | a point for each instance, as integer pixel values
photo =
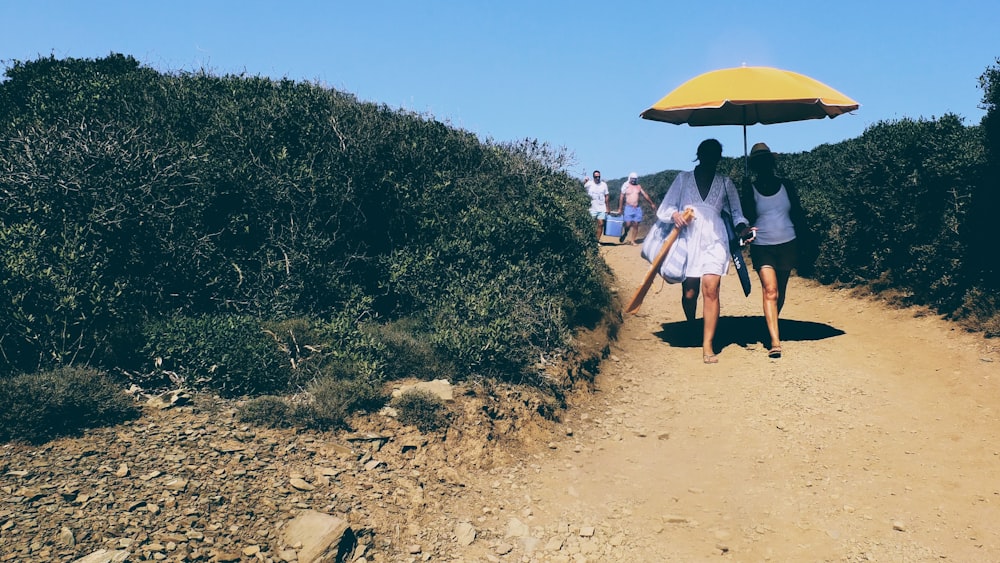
(204, 226)
(229, 354)
(986, 198)
(891, 209)
(37, 407)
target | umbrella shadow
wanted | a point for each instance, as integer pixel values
(743, 331)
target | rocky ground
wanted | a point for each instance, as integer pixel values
(872, 439)
(192, 483)
(189, 482)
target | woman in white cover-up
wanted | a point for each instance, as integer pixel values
(707, 243)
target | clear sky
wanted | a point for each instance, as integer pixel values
(572, 73)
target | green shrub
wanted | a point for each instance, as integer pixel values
(408, 352)
(980, 311)
(334, 400)
(38, 407)
(421, 408)
(269, 411)
(228, 354)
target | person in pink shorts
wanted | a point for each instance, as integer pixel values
(631, 192)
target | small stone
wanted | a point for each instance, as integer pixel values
(587, 532)
(122, 470)
(66, 537)
(134, 505)
(301, 484)
(104, 556)
(176, 484)
(414, 549)
(465, 533)
(517, 529)
(899, 526)
(228, 447)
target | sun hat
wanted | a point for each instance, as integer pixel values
(632, 175)
(759, 149)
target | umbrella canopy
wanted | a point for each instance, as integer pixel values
(749, 95)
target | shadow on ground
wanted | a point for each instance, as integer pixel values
(743, 331)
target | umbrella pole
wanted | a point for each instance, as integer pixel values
(746, 158)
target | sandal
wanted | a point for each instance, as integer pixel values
(713, 359)
(774, 353)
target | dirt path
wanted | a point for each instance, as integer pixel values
(875, 438)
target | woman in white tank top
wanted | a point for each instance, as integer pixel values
(773, 208)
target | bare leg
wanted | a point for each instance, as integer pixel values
(600, 229)
(633, 229)
(769, 289)
(689, 297)
(782, 287)
(710, 311)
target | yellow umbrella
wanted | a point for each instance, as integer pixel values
(748, 95)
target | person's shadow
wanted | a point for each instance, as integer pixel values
(742, 331)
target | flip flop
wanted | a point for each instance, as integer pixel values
(774, 353)
(713, 359)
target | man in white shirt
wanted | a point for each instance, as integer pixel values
(598, 192)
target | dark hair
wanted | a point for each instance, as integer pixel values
(709, 147)
(595, 172)
(763, 159)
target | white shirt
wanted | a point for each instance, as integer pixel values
(597, 192)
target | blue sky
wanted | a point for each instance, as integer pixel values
(574, 74)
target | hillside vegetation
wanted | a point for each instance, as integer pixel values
(254, 236)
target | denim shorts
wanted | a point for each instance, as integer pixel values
(599, 215)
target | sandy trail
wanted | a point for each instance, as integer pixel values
(875, 438)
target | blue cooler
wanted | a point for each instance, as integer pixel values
(613, 226)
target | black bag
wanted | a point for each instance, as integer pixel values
(736, 250)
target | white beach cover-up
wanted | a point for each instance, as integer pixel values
(704, 239)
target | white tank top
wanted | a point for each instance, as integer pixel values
(774, 221)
